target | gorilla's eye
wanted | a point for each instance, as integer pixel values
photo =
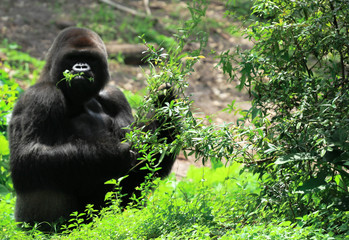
(81, 67)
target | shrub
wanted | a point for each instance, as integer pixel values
(297, 75)
(8, 96)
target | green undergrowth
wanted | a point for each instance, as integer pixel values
(207, 204)
(19, 65)
(197, 206)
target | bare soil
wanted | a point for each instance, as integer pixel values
(33, 24)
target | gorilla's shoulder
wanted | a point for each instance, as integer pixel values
(114, 102)
(43, 91)
(40, 97)
(111, 91)
(112, 95)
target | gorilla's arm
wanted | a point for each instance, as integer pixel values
(115, 104)
(168, 126)
(39, 159)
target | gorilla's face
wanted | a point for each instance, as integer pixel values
(78, 64)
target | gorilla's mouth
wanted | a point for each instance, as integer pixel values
(82, 71)
(80, 74)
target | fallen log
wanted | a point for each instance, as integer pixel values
(133, 54)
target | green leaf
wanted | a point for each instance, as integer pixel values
(4, 149)
(3, 190)
(294, 158)
(285, 224)
(255, 112)
(313, 185)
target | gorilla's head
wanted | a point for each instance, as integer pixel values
(81, 54)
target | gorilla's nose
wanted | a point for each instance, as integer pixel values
(81, 67)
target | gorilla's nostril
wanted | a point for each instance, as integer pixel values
(81, 67)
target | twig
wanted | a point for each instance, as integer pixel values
(123, 8)
(146, 6)
(335, 23)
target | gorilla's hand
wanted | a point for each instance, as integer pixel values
(92, 123)
(166, 93)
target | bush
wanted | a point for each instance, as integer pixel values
(8, 96)
(297, 75)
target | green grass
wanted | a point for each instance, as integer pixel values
(111, 25)
(135, 99)
(208, 204)
(19, 65)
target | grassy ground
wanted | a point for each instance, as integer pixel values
(208, 204)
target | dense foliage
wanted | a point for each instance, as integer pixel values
(297, 73)
(8, 95)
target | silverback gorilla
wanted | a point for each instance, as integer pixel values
(65, 136)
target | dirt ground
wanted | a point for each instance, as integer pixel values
(33, 24)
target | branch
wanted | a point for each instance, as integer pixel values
(146, 6)
(124, 8)
(335, 23)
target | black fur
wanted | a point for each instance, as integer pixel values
(65, 137)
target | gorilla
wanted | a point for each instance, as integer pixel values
(66, 135)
